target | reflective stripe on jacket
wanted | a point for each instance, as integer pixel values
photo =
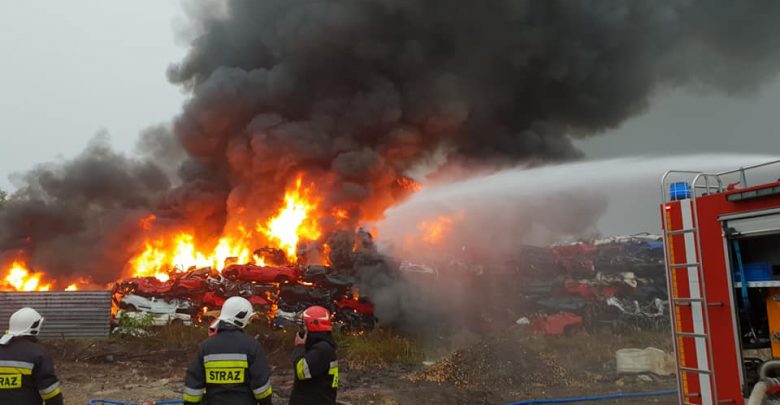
(27, 374)
(230, 368)
(316, 371)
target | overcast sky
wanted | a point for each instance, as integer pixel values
(71, 69)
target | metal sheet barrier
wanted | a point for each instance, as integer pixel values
(67, 314)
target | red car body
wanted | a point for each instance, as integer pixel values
(145, 286)
(184, 285)
(188, 285)
(262, 274)
(361, 306)
(587, 291)
(556, 324)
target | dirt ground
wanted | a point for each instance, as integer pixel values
(496, 369)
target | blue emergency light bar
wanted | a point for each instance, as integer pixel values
(679, 191)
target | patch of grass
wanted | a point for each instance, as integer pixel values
(588, 349)
(276, 343)
(180, 335)
(377, 348)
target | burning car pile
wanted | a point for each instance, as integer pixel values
(278, 293)
(616, 283)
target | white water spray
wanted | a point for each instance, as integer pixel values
(494, 214)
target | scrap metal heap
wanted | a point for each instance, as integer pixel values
(278, 293)
(616, 283)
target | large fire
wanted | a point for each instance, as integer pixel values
(164, 252)
(179, 254)
(19, 278)
(296, 220)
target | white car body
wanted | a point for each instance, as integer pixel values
(164, 312)
(417, 268)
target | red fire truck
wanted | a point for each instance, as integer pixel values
(722, 247)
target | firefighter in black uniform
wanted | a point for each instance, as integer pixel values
(230, 367)
(26, 370)
(314, 358)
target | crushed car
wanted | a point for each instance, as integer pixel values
(261, 274)
(163, 312)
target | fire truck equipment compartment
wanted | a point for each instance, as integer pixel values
(757, 271)
(773, 316)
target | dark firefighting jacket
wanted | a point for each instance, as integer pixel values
(27, 374)
(316, 371)
(229, 369)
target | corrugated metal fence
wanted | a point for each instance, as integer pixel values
(67, 314)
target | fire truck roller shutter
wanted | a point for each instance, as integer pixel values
(752, 224)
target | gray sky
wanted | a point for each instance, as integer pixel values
(681, 121)
(71, 69)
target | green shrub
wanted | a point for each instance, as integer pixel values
(140, 324)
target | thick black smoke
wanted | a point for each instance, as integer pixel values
(79, 219)
(356, 93)
(365, 89)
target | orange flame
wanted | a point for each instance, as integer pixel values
(340, 215)
(408, 184)
(434, 231)
(20, 278)
(146, 223)
(294, 220)
(160, 258)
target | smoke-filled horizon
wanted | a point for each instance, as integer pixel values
(356, 95)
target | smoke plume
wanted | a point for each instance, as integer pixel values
(78, 219)
(356, 94)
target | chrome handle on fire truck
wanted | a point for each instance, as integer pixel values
(691, 335)
(681, 231)
(688, 300)
(688, 303)
(695, 370)
(684, 265)
(718, 187)
(743, 171)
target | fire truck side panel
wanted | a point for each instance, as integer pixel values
(718, 282)
(718, 276)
